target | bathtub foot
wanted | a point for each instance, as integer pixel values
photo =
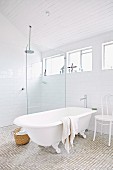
(55, 146)
(83, 134)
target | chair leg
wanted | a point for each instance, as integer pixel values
(95, 130)
(110, 126)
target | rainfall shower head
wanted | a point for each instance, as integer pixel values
(29, 51)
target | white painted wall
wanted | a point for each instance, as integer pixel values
(12, 72)
(95, 84)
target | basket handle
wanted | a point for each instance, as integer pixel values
(15, 131)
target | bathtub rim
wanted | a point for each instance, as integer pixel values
(19, 123)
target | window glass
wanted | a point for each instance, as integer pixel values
(74, 62)
(57, 65)
(87, 61)
(108, 56)
(53, 65)
(48, 68)
(80, 60)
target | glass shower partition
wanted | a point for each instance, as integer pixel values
(33, 82)
(53, 82)
(46, 83)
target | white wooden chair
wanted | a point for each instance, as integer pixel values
(106, 117)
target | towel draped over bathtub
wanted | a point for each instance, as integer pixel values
(70, 129)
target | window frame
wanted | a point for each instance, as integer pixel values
(50, 57)
(103, 54)
(81, 52)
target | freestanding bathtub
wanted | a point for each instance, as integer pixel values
(45, 128)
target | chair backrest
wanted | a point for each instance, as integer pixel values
(107, 105)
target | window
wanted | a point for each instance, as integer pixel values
(80, 60)
(87, 60)
(53, 65)
(107, 55)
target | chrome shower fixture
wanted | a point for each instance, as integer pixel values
(29, 51)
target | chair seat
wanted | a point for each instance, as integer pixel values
(104, 117)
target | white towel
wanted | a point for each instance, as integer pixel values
(66, 133)
(70, 129)
(73, 128)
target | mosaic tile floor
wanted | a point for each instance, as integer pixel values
(85, 155)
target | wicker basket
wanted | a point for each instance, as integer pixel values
(20, 139)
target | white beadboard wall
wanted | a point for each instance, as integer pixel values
(67, 21)
(12, 72)
(95, 84)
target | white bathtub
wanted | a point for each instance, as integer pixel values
(45, 128)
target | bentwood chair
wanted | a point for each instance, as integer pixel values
(106, 117)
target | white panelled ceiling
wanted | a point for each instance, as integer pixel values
(59, 22)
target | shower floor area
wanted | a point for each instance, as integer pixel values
(85, 154)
